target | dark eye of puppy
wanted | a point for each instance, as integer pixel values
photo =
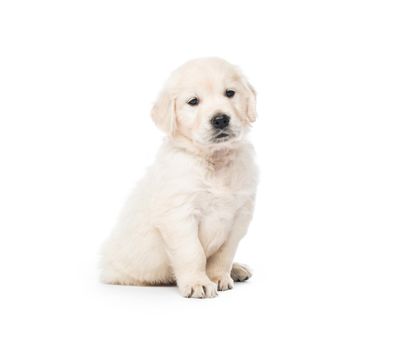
(193, 102)
(229, 93)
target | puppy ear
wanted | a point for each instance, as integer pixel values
(164, 114)
(251, 100)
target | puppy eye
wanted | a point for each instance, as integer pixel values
(229, 93)
(193, 102)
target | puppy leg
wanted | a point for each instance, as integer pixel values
(187, 259)
(219, 265)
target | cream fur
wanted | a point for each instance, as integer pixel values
(183, 222)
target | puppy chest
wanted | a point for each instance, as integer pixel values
(222, 193)
(217, 213)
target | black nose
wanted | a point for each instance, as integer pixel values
(220, 121)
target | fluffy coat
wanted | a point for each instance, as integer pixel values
(184, 220)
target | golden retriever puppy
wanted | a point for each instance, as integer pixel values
(184, 221)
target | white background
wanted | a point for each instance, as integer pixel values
(333, 241)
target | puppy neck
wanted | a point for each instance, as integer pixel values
(221, 158)
(215, 158)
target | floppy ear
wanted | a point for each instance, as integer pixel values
(164, 114)
(251, 102)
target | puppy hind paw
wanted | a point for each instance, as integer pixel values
(240, 272)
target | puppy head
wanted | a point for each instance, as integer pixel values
(208, 101)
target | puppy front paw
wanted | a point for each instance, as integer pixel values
(198, 289)
(224, 282)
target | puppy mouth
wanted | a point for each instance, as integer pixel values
(222, 136)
